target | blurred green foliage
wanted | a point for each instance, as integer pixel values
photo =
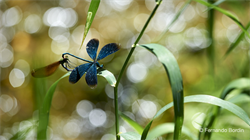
(35, 33)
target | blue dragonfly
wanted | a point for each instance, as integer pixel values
(90, 68)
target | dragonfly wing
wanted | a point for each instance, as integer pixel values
(92, 47)
(91, 76)
(46, 71)
(78, 72)
(107, 50)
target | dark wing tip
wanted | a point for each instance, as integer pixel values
(95, 39)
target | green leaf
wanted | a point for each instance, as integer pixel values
(130, 136)
(172, 69)
(225, 12)
(107, 75)
(221, 103)
(22, 134)
(216, 4)
(45, 110)
(132, 123)
(242, 83)
(90, 17)
(237, 41)
(209, 100)
(210, 49)
(165, 128)
(240, 98)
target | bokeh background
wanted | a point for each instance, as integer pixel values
(35, 33)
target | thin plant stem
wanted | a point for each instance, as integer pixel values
(125, 65)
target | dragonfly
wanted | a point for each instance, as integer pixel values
(91, 67)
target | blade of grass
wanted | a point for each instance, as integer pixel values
(209, 100)
(236, 42)
(242, 84)
(22, 134)
(173, 71)
(93, 7)
(165, 128)
(225, 12)
(130, 136)
(210, 48)
(188, 99)
(45, 110)
(132, 123)
(216, 4)
(182, 9)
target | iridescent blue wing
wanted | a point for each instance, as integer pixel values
(92, 47)
(107, 50)
(78, 72)
(91, 76)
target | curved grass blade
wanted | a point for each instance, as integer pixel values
(107, 75)
(132, 123)
(165, 128)
(93, 7)
(45, 110)
(216, 4)
(182, 9)
(22, 134)
(225, 12)
(209, 100)
(236, 42)
(242, 84)
(171, 66)
(130, 136)
(159, 130)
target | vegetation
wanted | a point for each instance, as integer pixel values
(197, 50)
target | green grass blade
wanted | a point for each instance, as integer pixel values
(45, 110)
(236, 42)
(182, 9)
(210, 48)
(132, 123)
(208, 99)
(225, 12)
(165, 128)
(90, 17)
(130, 136)
(173, 71)
(216, 4)
(241, 98)
(22, 134)
(108, 76)
(242, 83)
(221, 103)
